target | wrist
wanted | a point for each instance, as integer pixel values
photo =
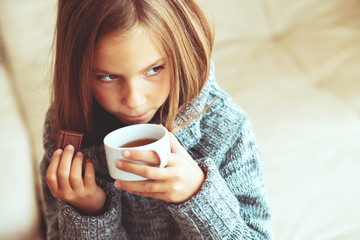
(94, 208)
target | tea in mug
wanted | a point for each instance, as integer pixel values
(138, 142)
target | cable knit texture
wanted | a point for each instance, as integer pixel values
(231, 204)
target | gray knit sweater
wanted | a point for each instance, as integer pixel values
(231, 204)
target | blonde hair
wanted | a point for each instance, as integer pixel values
(179, 28)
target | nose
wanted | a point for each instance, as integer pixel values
(133, 95)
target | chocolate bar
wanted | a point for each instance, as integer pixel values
(65, 138)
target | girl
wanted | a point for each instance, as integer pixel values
(123, 62)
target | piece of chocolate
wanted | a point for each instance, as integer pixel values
(65, 138)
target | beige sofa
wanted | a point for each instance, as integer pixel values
(294, 66)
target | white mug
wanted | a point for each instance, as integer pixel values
(114, 147)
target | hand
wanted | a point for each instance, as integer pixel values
(181, 179)
(65, 181)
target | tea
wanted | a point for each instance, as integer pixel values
(138, 142)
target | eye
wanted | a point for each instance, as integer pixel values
(153, 71)
(106, 78)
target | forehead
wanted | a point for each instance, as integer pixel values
(126, 51)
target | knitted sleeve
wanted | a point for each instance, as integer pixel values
(232, 203)
(63, 221)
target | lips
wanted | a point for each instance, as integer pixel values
(136, 118)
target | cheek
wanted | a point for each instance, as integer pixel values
(165, 85)
(97, 92)
(102, 95)
(162, 92)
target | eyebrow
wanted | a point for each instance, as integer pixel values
(154, 64)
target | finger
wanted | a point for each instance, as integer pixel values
(150, 172)
(65, 166)
(76, 180)
(89, 177)
(143, 156)
(149, 195)
(51, 173)
(147, 186)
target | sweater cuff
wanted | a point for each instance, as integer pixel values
(213, 211)
(72, 222)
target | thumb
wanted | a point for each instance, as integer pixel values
(174, 143)
(176, 147)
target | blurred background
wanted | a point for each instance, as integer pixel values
(294, 66)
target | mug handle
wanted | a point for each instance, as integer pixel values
(163, 158)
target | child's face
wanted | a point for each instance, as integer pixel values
(130, 77)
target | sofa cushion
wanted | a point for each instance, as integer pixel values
(20, 216)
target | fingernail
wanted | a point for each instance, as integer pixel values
(58, 152)
(118, 164)
(79, 154)
(117, 184)
(126, 153)
(69, 147)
